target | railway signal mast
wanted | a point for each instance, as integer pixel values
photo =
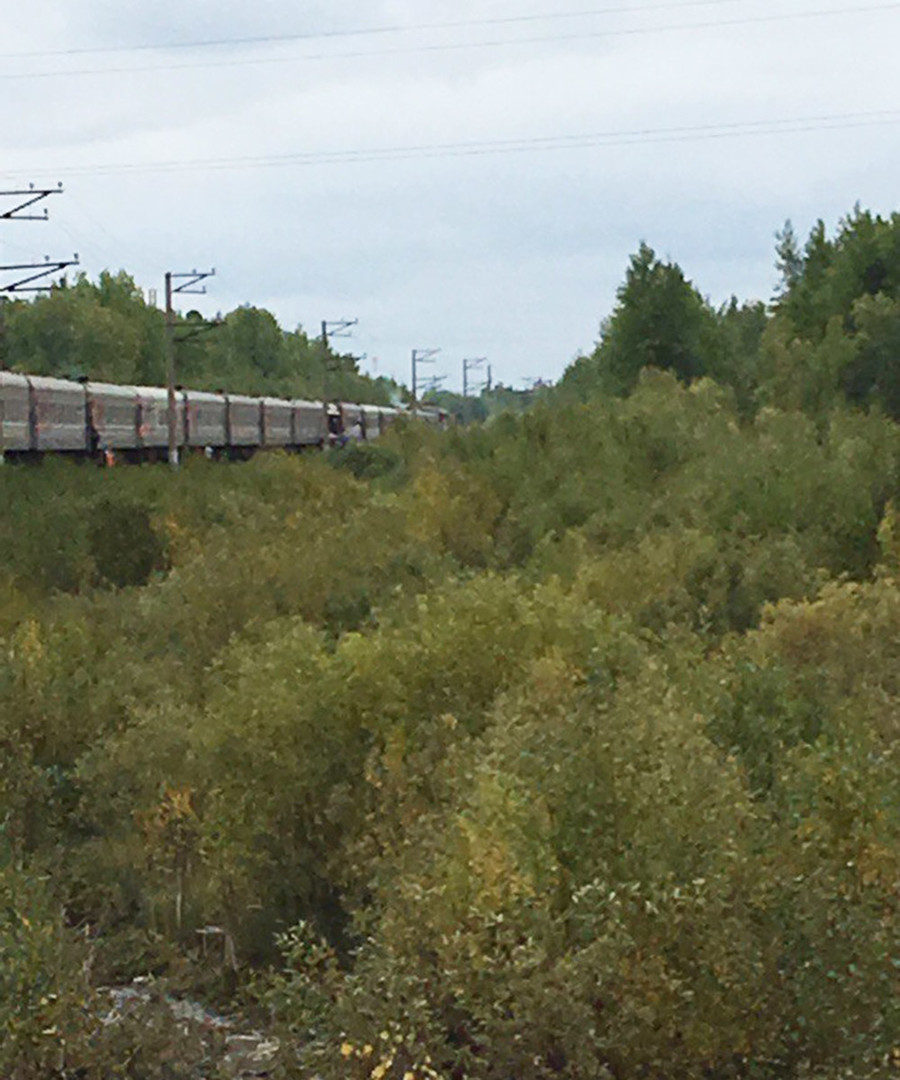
(420, 356)
(332, 328)
(189, 285)
(471, 365)
(337, 328)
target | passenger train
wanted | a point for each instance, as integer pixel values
(40, 415)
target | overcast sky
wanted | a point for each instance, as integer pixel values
(465, 175)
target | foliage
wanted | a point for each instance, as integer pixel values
(108, 332)
(561, 745)
(660, 321)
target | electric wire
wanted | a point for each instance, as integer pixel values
(368, 31)
(460, 46)
(584, 141)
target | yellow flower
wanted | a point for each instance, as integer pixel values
(367, 1049)
(346, 1049)
(381, 1069)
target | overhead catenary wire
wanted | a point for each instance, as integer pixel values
(459, 46)
(366, 31)
(582, 141)
(148, 251)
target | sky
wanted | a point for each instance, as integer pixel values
(465, 176)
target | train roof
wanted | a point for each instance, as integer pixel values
(205, 395)
(50, 382)
(111, 389)
(152, 393)
(13, 378)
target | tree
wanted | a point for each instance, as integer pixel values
(660, 321)
(789, 261)
(103, 331)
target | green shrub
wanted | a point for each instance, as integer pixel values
(123, 544)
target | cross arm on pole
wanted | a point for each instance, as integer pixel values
(190, 280)
(338, 327)
(27, 197)
(41, 271)
(196, 330)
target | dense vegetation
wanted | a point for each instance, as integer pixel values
(565, 745)
(108, 332)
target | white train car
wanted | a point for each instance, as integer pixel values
(206, 420)
(277, 422)
(371, 421)
(153, 418)
(112, 416)
(15, 429)
(309, 423)
(59, 417)
(244, 420)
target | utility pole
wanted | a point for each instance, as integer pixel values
(490, 382)
(333, 328)
(35, 272)
(337, 328)
(189, 283)
(471, 365)
(420, 356)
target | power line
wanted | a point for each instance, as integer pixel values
(333, 328)
(420, 356)
(589, 140)
(365, 31)
(447, 47)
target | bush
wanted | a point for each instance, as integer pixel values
(123, 544)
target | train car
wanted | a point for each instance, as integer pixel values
(433, 417)
(153, 418)
(354, 424)
(59, 417)
(371, 421)
(40, 414)
(206, 420)
(15, 428)
(244, 420)
(309, 426)
(112, 416)
(277, 422)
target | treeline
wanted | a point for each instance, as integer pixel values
(108, 332)
(560, 746)
(831, 335)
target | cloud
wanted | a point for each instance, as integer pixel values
(514, 254)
